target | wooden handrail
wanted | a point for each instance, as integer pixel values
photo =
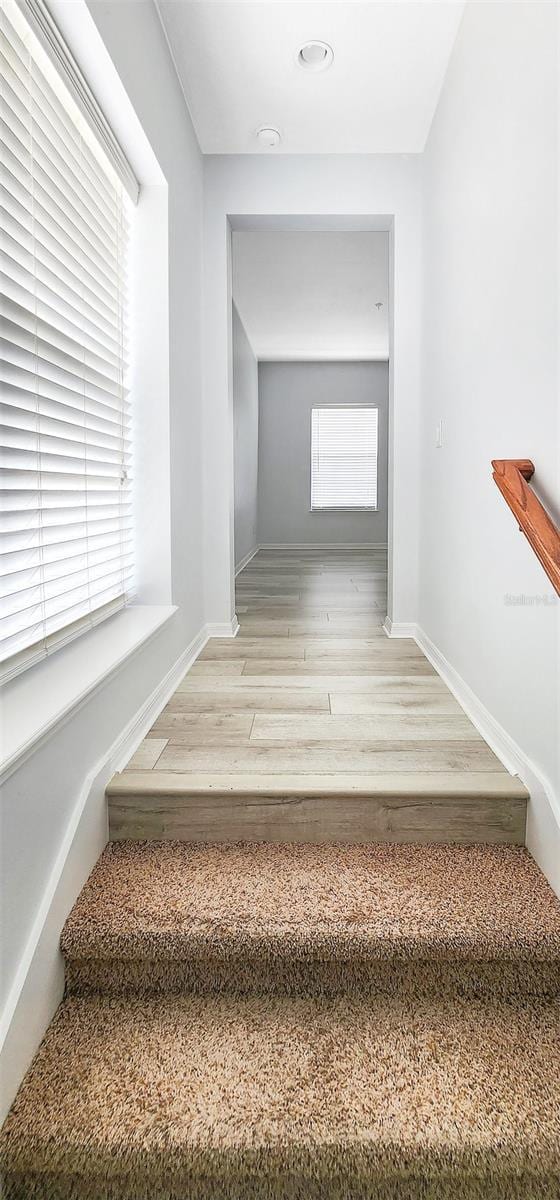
(512, 477)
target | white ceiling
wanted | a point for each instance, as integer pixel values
(313, 295)
(237, 64)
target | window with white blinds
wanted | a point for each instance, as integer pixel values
(344, 457)
(66, 536)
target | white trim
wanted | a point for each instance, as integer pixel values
(321, 356)
(543, 823)
(323, 222)
(137, 728)
(494, 733)
(151, 620)
(39, 982)
(244, 561)
(223, 629)
(543, 814)
(116, 758)
(323, 546)
(47, 33)
(399, 629)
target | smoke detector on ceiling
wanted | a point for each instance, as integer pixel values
(315, 56)
(268, 137)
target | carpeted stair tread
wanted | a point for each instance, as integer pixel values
(319, 917)
(281, 1097)
(228, 1097)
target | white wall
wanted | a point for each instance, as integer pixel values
(40, 798)
(490, 372)
(301, 187)
(287, 393)
(246, 440)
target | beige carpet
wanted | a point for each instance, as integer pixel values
(354, 1089)
(314, 919)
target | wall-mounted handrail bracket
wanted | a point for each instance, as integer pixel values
(512, 477)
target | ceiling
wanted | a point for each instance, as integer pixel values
(313, 295)
(237, 62)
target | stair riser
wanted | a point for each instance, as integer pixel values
(335, 1176)
(351, 819)
(265, 975)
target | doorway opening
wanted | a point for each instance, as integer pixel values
(311, 407)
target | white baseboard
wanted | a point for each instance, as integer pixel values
(399, 629)
(543, 814)
(245, 561)
(39, 983)
(494, 733)
(130, 738)
(38, 986)
(323, 546)
(137, 729)
(222, 629)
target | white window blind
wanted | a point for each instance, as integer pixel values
(66, 548)
(344, 457)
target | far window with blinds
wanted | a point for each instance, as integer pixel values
(344, 458)
(65, 473)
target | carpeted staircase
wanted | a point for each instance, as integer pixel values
(298, 1021)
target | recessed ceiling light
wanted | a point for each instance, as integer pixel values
(268, 137)
(315, 56)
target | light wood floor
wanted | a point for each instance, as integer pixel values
(312, 699)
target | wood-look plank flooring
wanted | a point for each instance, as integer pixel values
(309, 693)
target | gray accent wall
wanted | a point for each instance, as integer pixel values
(287, 393)
(246, 434)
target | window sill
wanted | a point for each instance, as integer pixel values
(350, 508)
(34, 702)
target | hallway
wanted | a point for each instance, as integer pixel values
(312, 701)
(279, 652)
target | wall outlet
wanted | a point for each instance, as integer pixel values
(439, 435)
